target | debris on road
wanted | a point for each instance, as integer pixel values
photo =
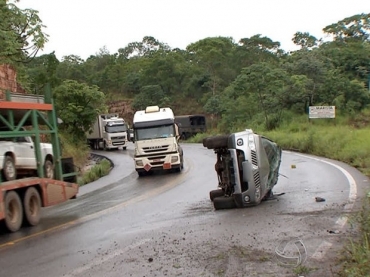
(319, 199)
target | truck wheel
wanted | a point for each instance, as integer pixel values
(49, 169)
(9, 170)
(13, 211)
(141, 173)
(32, 206)
(216, 142)
(216, 193)
(97, 145)
(224, 202)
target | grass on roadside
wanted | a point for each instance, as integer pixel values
(356, 260)
(97, 171)
(79, 150)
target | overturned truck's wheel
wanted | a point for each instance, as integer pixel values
(13, 211)
(224, 202)
(32, 206)
(216, 193)
(216, 142)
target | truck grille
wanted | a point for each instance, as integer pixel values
(118, 138)
(155, 149)
(254, 158)
(157, 160)
(257, 179)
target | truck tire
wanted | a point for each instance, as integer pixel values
(181, 167)
(141, 173)
(9, 170)
(205, 141)
(220, 141)
(224, 202)
(216, 193)
(32, 206)
(13, 211)
(49, 169)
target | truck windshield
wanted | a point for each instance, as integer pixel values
(116, 128)
(164, 131)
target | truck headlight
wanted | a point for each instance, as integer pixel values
(174, 159)
(239, 142)
(139, 163)
(251, 143)
(257, 194)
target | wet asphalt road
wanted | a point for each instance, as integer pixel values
(165, 224)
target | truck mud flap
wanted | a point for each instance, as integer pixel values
(56, 191)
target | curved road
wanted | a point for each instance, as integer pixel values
(165, 224)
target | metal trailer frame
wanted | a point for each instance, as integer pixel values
(33, 111)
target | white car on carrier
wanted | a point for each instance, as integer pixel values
(17, 157)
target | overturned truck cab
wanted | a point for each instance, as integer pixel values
(247, 168)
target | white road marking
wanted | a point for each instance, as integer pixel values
(341, 221)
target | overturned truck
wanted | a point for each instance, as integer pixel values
(247, 168)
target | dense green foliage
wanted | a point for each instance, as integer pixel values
(78, 105)
(21, 33)
(250, 81)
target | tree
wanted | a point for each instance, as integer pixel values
(312, 64)
(166, 69)
(21, 33)
(72, 68)
(257, 49)
(41, 71)
(214, 55)
(78, 105)
(146, 47)
(305, 40)
(265, 87)
(150, 96)
(352, 28)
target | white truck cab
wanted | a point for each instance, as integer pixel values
(108, 132)
(156, 141)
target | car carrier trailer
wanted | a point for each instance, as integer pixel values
(21, 199)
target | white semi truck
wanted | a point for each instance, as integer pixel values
(156, 141)
(108, 132)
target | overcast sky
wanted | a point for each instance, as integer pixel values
(82, 27)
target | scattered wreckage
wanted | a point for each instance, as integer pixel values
(247, 168)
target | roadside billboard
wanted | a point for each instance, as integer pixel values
(321, 112)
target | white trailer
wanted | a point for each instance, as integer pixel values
(108, 132)
(156, 141)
